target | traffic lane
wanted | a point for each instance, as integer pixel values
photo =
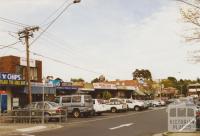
(144, 123)
(108, 115)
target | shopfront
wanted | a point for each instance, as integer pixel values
(11, 91)
(104, 88)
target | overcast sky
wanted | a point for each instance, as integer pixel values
(112, 37)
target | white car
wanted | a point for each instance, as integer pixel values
(135, 104)
(115, 104)
(98, 106)
(163, 103)
(155, 103)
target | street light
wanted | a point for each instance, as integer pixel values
(77, 1)
(43, 99)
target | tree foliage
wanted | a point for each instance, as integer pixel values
(106, 95)
(143, 73)
(180, 85)
(77, 80)
(100, 79)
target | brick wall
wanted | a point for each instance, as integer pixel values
(8, 64)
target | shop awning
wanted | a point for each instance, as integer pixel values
(39, 90)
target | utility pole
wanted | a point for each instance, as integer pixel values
(26, 33)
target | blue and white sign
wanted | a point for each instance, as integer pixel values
(8, 76)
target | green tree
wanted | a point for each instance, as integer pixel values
(143, 73)
(77, 80)
(100, 79)
(106, 95)
(96, 80)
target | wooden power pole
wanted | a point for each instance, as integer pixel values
(26, 33)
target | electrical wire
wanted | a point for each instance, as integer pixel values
(9, 45)
(188, 3)
(62, 62)
(12, 22)
(51, 23)
(53, 13)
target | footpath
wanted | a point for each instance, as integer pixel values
(15, 129)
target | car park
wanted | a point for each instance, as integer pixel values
(77, 105)
(115, 105)
(98, 106)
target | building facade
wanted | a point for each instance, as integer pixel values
(13, 81)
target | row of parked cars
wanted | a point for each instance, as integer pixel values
(78, 105)
(84, 105)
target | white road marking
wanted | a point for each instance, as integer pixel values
(120, 126)
(31, 129)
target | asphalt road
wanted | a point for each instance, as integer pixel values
(145, 123)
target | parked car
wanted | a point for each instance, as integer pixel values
(115, 104)
(135, 104)
(170, 101)
(155, 103)
(147, 104)
(162, 103)
(52, 110)
(98, 106)
(77, 105)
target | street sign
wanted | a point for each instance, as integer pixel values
(181, 117)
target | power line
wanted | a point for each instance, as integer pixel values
(53, 21)
(62, 62)
(12, 22)
(53, 13)
(9, 45)
(188, 3)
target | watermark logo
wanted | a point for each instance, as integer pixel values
(181, 117)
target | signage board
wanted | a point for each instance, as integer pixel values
(15, 102)
(181, 117)
(8, 76)
(104, 86)
(121, 87)
(23, 62)
(2, 92)
(68, 88)
(41, 84)
(12, 82)
(66, 84)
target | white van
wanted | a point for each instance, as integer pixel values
(77, 105)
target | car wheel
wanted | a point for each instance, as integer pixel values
(113, 110)
(46, 117)
(76, 114)
(136, 108)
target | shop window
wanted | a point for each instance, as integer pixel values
(33, 73)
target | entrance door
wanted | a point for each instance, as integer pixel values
(3, 103)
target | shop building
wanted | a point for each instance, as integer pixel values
(18, 65)
(13, 77)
